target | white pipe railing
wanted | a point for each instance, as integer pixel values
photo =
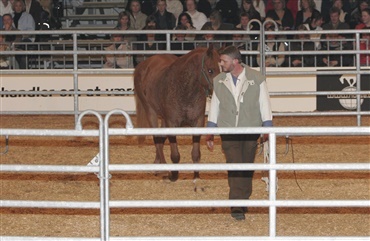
(105, 168)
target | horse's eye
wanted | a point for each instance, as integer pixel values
(210, 71)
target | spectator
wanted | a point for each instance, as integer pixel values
(124, 24)
(147, 6)
(243, 25)
(215, 23)
(120, 61)
(8, 25)
(314, 23)
(335, 42)
(198, 18)
(137, 18)
(365, 17)
(334, 22)
(272, 45)
(207, 39)
(175, 7)
(356, 15)
(228, 10)
(165, 19)
(365, 45)
(281, 15)
(38, 14)
(4, 59)
(185, 20)
(23, 21)
(308, 7)
(150, 41)
(180, 42)
(248, 7)
(328, 4)
(151, 21)
(292, 5)
(204, 6)
(344, 16)
(259, 5)
(5, 7)
(301, 42)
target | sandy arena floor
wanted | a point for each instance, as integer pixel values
(326, 185)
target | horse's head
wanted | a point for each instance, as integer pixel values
(210, 67)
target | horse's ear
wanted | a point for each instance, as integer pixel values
(210, 50)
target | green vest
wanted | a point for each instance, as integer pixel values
(245, 113)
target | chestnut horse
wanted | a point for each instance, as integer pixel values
(174, 90)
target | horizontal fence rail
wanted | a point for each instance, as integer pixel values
(105, 169)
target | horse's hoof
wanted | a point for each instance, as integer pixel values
(174, 176)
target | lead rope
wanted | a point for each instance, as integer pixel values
(205, 76)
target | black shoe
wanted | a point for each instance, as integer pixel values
(238, 215)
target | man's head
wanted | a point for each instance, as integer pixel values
(161, 5)
(7, 21)
(334, 13)
(229, 58)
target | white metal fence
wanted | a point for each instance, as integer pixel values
(106, 168)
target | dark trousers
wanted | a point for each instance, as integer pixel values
(239, 149)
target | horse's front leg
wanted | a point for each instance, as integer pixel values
(175, 157)
(195, 154)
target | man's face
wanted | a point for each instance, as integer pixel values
(244, 21)
(334, 18)
(161, 6)
(190, 5)
(135, 7)
(227, 63)
(7, 21)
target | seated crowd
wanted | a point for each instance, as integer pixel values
(304, 16)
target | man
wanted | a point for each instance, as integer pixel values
(335, 22)
(165, 19)
(240, 99)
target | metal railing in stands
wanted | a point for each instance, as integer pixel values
(105, 168)
(75, 53)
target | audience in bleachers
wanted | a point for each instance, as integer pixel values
(365, 17)
(175, 7)
(119, 61)
(165, 19)
(137, 18)
(302, 42)
(247, 7)
(310, 15)
(185, 20)
(216, 23)
(314, 24)
(124, 24)
(273, 44)
(365, 45)
(180, 42)
(198, 18)
(281, 15)
(229, 11)
(356, 14)
(308, 8)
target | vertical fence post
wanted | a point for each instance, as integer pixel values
(272, 191)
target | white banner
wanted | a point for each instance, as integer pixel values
(65, 102)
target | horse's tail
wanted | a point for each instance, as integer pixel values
(141, 119)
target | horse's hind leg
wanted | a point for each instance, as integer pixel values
(175, 157)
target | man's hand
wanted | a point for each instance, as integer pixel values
(209, 140)
(264, 137)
